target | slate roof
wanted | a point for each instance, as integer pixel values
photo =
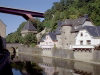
(51, 34)
(70, 22)
(75, 22)
(93, 30)
(29, 26)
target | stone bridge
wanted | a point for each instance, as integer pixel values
(12, 46)
(22, 48)
(8, 45)
(61, 53)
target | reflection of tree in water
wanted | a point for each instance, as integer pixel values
(82, 72)
(13, 56)
(6, 70)
(27, 68)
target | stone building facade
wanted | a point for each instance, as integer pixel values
(2, 29)
(3, 32)
(68, 29)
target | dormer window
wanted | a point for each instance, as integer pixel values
(81, 34)
(47, 37)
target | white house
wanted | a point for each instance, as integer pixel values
(87, 38)
(48, 41)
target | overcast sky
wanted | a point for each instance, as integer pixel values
(12, 21)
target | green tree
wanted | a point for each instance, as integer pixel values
(30, 39)
(16, 37)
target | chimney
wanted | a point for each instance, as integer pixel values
(86, 16)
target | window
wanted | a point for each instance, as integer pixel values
(46, 42)
(81, 42)
(47, 37)
(81, 34)
(88, 42)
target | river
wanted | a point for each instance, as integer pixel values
(36, 65)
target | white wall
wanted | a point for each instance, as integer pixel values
(47, 43)
(86, 36)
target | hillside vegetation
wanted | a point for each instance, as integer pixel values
(72, 9)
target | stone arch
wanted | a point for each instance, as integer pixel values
(13, 49)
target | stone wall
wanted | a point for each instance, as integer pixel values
(2, 29)
(63, 53)
(93, 55)
(3, 32)
(47, 52)
(83, 55)
(66, 39)
(96, 55)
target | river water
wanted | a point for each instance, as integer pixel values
(37, 65)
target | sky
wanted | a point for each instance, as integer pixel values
(12, 22)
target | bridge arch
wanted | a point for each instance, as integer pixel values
(13, 49)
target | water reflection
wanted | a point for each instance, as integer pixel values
(27, 68)
(52, 66)
(6, 70)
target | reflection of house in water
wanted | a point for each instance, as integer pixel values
(57, 66)
(54, 66)
(66, 67)
(86, 68)
(3, 31)
(47, 66)
(28, 28)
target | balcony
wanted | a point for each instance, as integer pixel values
(47, 46)
(83, 46)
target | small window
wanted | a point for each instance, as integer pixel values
(81, 34)
(81, 42)
(67, 44)
(47, 37)
(46, 42)
(89, 42)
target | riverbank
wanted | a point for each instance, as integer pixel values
(91, 62)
